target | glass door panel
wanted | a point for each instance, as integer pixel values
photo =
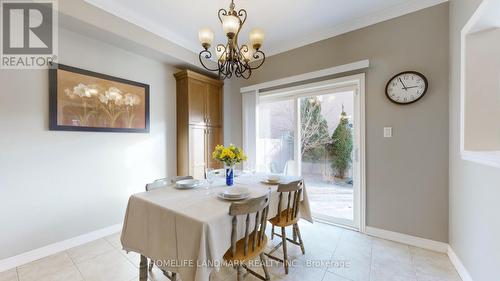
(276, 137)
(326, 141)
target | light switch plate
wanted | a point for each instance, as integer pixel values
(387, 132)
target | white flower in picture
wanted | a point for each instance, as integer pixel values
(114, 94)
(79, 90)
(84, 91)
(103, 98)
(132, 100)
(91, 91)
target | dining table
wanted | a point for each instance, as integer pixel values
(187, 231)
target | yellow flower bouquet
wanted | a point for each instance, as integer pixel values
(230, 156)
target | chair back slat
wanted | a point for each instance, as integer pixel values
(234, 235)
(247, 226)
(258, 206)
(288, 205)
(292, 206)
(297, 203)
(280, 202)
(294, 202)
(263, 223)
(254, 242)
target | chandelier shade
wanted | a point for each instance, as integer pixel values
(231, 57)
(206, 37)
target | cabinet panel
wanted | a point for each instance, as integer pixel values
(214, 137)
(214, 105)
(197, 151)
(199, 98)
(197, 94)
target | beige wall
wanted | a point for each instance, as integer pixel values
(474, 188)
(407, 175)
(76, 182)
(482, 102)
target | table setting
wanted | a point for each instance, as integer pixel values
(189, 220)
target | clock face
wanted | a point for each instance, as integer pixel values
(406, 87)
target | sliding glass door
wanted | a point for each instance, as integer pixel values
(315, 136)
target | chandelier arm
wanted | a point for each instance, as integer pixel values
(242, 13)
(257, 55)
(223, 68)
(227, 69)
(249, 71)
(224, 53)
(207, 54)
(238, 70)
(246, 72)
(222, 12)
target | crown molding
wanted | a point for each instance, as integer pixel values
(358, 23)
(115, 8)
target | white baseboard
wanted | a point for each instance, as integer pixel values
(51, 249)
(457, 263)
(407, 239)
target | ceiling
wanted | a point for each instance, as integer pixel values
(288, 24)
(489, 16)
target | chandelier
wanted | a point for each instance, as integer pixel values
(232, 58)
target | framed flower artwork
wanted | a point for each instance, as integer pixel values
(82, 100)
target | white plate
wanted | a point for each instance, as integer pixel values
(241, 197)
(235, 192)
(274, 178)
(270, 182)
(187, 184)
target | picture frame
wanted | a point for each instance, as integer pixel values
(83, 100)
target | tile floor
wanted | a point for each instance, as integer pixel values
(332, 254)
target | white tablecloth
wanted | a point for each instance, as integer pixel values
(186, 228)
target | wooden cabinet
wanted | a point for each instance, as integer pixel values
(199, 122)
(197, 99)
(214, 106)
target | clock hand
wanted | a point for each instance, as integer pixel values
(411, 87)
(404, 87)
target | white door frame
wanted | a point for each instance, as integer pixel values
(356, 82)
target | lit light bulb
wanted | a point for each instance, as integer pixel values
(256, 38)
(206, 36)
(230, 25)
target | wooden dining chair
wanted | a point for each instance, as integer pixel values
(252, 244)
(288, 215)
(154, 185)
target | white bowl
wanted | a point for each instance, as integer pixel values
(235, 191)
(273, 178)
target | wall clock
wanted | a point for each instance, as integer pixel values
(406, 87)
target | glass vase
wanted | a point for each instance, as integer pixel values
(229, 174)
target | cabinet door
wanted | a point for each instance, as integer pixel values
(197, 151)
(197, 93)
(214, 106)
(214, 137)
